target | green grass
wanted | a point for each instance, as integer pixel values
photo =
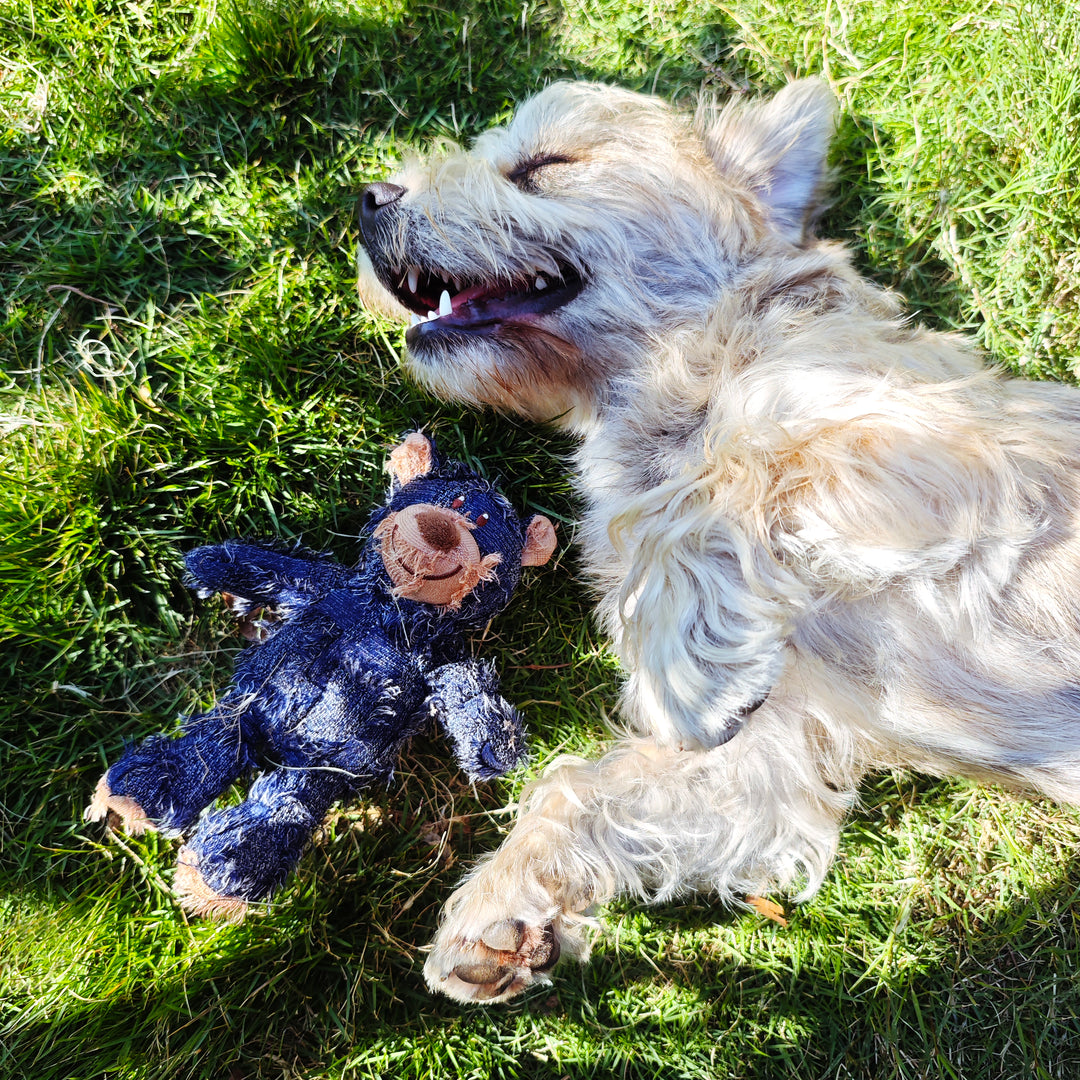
(184, 358)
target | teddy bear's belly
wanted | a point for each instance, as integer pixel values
(350, 707)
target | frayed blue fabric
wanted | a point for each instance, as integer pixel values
(349, 670)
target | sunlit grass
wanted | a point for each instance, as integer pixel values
(184, 358)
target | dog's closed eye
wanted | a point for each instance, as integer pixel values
(524, 173)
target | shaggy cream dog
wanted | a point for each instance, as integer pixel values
(825, 540)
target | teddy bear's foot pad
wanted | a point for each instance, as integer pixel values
(508, 957)
(198, 898)
(118, 809)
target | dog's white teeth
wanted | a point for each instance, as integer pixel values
(414, 278)
(445, 307)
(432, 315)
(540, 283)
(414, 320)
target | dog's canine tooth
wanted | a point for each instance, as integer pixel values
(414, 278)
(445, 307)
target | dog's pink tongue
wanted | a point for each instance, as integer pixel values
(471, 293)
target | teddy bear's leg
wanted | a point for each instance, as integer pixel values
(245, 853)
(164, 783)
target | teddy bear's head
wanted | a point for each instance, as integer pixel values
(449, 539)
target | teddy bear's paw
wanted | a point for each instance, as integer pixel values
(198, 898)
(503, 960)
(117, 810)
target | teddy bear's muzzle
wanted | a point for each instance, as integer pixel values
(431, 556)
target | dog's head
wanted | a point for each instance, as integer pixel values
(539, 268)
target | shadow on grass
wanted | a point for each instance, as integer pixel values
(979, 1003)
(330, 993)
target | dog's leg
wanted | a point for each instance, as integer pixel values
(753, 816)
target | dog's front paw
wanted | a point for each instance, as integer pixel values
(506, 958)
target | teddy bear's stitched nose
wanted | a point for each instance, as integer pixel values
(437, 530)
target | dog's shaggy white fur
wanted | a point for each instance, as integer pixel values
(826, 540)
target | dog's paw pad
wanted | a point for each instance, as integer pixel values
(507, 957)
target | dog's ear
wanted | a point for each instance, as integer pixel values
(778, 149)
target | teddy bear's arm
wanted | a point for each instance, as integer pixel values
(487, 732)
(254, 575)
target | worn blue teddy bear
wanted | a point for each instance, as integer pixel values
(353, 663)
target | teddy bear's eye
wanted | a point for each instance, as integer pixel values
(458, 503)
(482, 519)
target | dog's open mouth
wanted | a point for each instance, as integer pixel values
(441, 304)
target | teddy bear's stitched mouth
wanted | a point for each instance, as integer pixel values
(416, 548)
(411, 564)
(441, 577)
(439, 303)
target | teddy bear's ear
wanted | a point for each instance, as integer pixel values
(539, 541)
(414, 457)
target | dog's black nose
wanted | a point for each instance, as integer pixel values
(376, 197)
